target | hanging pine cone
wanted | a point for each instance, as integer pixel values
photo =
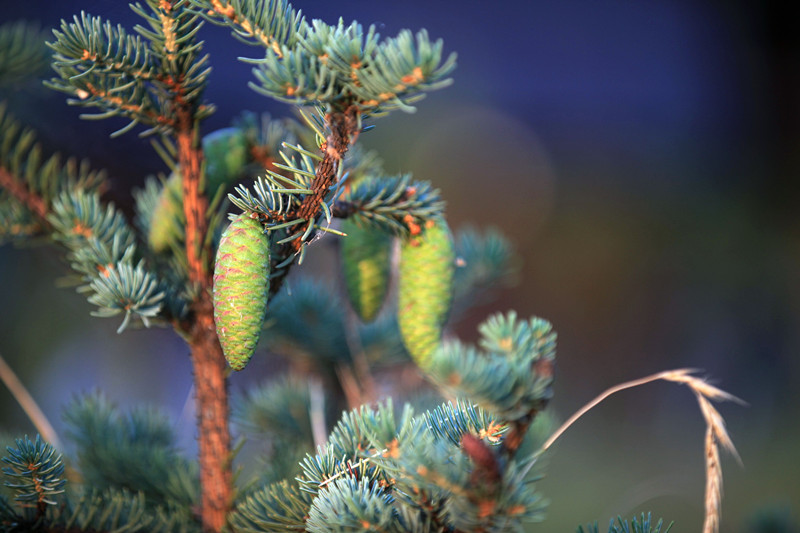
(366, 263)
(167, 220)
(226, 154)
(241, 288)
(427, 264)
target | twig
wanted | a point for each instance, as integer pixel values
(716, 434)
(28, 404)
(316, 412)
(349, 384)
(22, 193)
(360, 362)
(344, 127)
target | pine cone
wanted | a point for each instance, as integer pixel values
(427, 264)
(241, 288)
(366, 262)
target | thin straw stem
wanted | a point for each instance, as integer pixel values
(28, 404)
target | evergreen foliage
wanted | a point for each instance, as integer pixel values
(24, 202)
(105, 67)
(511, 376)
(109, 502)
(485, 262)
(35, 472)
(114, 447)
(23, 53)
(643, 525)
(221, 282)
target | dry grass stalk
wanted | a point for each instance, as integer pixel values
(716, 434)
(713, 501)
(28, 404)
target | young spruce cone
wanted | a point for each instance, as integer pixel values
(427, 263)
(241, 288)
(366, 263)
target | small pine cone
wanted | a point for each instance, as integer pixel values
(427, 263)
(226, 153)
(366, 263)
(241, 288)
(226, 157)
(167, 221)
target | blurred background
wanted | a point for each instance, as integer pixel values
(642, 156)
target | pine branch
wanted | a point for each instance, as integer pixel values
(486, 261)
(353, 505)
(344, 125)
(641, 525)
(104, 67)
(126, 289)
(344, 65)
(293, 205)
(33, 184)
(23, 54)
(64, 201)
(268, 23)
(278, 507)
(394, 204)
(23, 194)
(511, 378)
(136, 451)
(35, 472)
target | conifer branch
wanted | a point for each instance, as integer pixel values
(34, 183)
(22, 193)
(23, 53)
(36, 473)
(344, 127)
(395, 204)
(157, 78)
(122, 75)
(265, 22)
(207, 358)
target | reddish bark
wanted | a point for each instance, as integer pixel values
(208, 361)
(23, 194)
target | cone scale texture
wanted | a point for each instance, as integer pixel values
(241, 289)
(366, 264)
(425, 289)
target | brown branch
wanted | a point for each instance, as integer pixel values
(208, 361)
(344, 130)
(214, 440)
(24, 195)
(227, 11)
(195, 202)
(344, 126)
(544, 368)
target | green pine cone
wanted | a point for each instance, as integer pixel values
(167, 221)
(241, 288)
(427, 263)
(366, 263)
(226, 152)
